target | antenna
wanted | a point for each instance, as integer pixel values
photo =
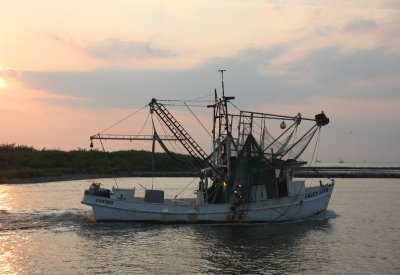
(222, 76)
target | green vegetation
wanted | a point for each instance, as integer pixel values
(21, 162)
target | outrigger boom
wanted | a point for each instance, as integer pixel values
(129, 137)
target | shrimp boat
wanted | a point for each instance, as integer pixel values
(248, 176)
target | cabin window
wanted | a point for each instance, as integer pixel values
(281, 182)
(290, 173)
(270, 182)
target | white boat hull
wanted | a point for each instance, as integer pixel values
(312, 202)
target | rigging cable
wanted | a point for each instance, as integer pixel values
(187, 100)
(147, 118)
(179, 150)
(235, 106)
(291, 153)
(201, 97)
(189, 158)
(113, 125)
(317, 150)
(185, 188)
(198, 120)
(152, 152)
(123, 119)
(316, 145)
(165, 133)
(184, 104)
(109, 161)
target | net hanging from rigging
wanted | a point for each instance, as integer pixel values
(275, 147)
(286, 146)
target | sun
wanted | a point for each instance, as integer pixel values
(2, 83)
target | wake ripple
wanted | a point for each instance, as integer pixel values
(43, 219)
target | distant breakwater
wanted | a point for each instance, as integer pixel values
(348, 172)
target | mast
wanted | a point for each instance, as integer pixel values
(225, 135)
(225, 105)
(214, 147)
(222, 76)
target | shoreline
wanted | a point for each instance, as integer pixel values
(71, 177)
(304, 172)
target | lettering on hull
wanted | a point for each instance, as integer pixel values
(316, 193)
(104, 201)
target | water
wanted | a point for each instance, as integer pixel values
(45, 230)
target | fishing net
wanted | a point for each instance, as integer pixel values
(253, 168)
(249, 169)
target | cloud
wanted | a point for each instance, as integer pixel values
(360, 25)
(330, 66)
(119, 49)
(323, 72)
(117, 87)
(135, 87)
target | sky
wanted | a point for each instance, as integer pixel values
(70, 69)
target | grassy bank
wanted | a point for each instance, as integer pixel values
(24, 162)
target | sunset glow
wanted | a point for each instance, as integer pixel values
(115, 57)
(2, 83)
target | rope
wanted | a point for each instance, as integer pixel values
(165, 133)
(184, 104)
(189, 158)
(187, 100)
(198, 120)
(316, 144)
(294, 141)
(316, 150)
(123, 119)
(109, 162)
(113, 125)
(147, 118)
(201, 97)
(185, 188)
(235, 106)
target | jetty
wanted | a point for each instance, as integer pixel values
(348, 172)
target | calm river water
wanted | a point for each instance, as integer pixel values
(45, 230)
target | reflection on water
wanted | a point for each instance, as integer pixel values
(206, 248)
(44, 229)
(250, 248)
(7, 259)
(4, 200)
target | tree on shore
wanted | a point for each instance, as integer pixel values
(21, 161)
